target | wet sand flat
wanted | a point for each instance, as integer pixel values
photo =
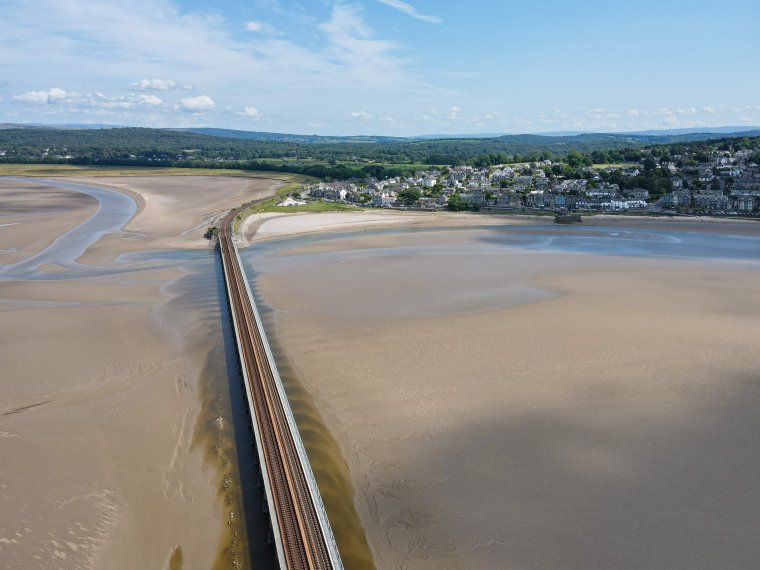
(174, 210)
(519, 408)
(106, 457)
(32, 215)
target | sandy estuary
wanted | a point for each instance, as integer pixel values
(473, 391)
(117, 425)
(514, 394)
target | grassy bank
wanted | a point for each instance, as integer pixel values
(310, 207)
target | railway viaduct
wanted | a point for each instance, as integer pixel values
(302, 534)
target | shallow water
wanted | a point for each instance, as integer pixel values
(114, 211)
(600, 240)
(474, 268)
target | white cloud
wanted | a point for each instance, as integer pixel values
(197, 104)
(708, 109)
(362, 115)
(250, 112)
(153, 85)
(42, 97)
(150, 100)
(73, 101)
(261, 27)
(410, 10)
(343, 59)
(101, 101)
(353, 45)
(454, 113)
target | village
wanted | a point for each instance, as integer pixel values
(727, 183)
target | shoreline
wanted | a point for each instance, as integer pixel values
(277, 226)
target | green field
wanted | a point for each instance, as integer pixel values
(93, 171)
(310, 207)
(349, 163)
(620, 165)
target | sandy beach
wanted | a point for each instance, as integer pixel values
(509, 407)
(108, 460)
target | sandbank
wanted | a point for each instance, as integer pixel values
(260, 227)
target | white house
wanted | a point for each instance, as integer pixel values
(291, 202)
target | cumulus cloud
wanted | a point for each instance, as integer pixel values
(151, 100)
(254, 26)
(410, 10)
(250, 111)
(42, 97)
(708, 109)
(362, 115)
(197, 104)
(153, 85)
(454, 113)
(74, 101)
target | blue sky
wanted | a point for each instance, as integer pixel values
(393, 67)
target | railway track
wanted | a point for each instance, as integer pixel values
(302, 534)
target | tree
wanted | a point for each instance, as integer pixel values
(574, 158)
(455, 203)
(409, 196)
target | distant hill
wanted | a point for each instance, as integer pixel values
(286, 137)
(310, 154)
(61, 127)
(540, 139)
(732, 131)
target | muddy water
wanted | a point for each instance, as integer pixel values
(327, 462)
(198, 312)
